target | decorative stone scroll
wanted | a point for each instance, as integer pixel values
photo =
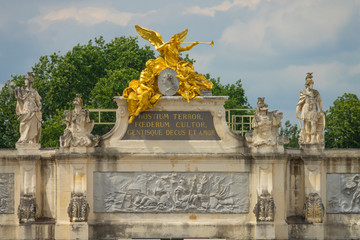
(172, 125)
(6, 193)
(27, 209)
(314, 208)
(264, 209)
(344, 194)
(78, 209)
(171, 192)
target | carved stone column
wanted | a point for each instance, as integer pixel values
(27, 209)
(78, 209)
(313, 207)
(264, 209)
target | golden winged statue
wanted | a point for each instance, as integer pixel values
(144, 93)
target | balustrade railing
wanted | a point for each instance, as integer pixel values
(238, 120)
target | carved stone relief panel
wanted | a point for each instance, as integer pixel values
(343, 193)
(171, 192)
(6, 193)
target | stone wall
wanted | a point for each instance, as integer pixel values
(159, 189)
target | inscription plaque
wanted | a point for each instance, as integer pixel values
(6, 193)
(172, 125)
(343, 193)
(171, 192)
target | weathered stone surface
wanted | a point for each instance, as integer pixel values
(28, 108)
(207, 133)
(78, 209)
(264, 209)
(264, 138)
(171, 192)
(312, 118)
(6, 193)
(344, 194)
(78, 127)
(172, 125)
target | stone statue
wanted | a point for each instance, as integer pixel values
(78, 127)
(309, 111)
(146, 92)
(266, 127)
(28, 109)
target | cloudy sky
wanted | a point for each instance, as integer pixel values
(269, 44)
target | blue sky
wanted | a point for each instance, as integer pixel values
(269, 44)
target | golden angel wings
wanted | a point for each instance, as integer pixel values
(155, 38)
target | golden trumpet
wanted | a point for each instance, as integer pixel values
(210, 43)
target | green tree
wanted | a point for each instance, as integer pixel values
(98, 71)
(236, 93)
(292, 132)
(343, 123)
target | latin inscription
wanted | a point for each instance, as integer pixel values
(172, 125)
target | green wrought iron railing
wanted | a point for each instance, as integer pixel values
(238, 120)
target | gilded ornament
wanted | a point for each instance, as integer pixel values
(144, 93)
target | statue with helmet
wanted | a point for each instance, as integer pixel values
(309, 112)
(78, 127)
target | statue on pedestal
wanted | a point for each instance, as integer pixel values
(309, 111)
(78, 127)
(266, 127)
(28, 109)
(179, 77)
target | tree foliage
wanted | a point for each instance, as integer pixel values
(343, 123)
(97, 70)
(236, 93)
(292, 132)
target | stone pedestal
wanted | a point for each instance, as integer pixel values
(265, 230)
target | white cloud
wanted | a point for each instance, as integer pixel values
(87, 16)
(223, 7)
(288, 25)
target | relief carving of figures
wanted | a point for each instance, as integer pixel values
(344, 195)
(78, 127)
(264, 209)
(78, 209)
(309, 111)
(171, 192)
(28, 109)
(314, 208)
(266, 126)
(27, 209)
